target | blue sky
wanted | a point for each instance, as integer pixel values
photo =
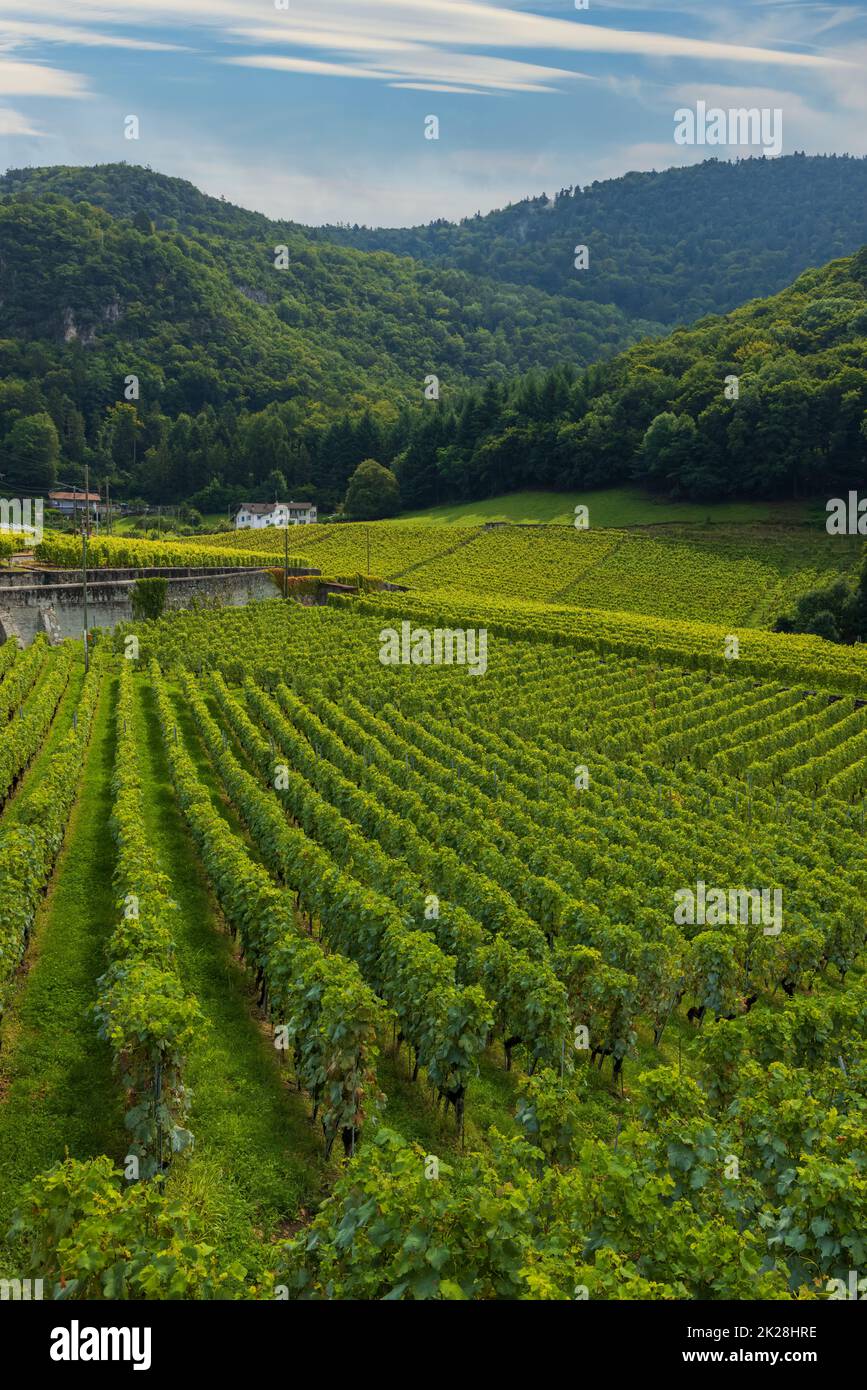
(317, 111)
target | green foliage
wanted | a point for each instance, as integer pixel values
(766, 221)
(507, 1226)
(373, 492)
(11, 541)
(446, 1027)
(91, 1235)
(418, 853)
(328, 1014)
(157, 279)
(142, 1009)
(150, 1022)
(550, 1115)
(242, 367)
(805, 660)
(148, 598)
(712, 972)
(28, 848)
(121, 552)
(661, 414)
(30, 453)
(392, 1232)
(837, 612)
(29, 696)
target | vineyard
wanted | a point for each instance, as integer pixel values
(433, 679)
(372, 978)
(802, 659)
(10, 542)
(64, 552)
(686, 573)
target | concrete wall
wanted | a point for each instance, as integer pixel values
(328, 586)
(22, 578)
(58, 608)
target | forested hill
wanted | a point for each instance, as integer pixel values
(141, 275)
(768, 401)
(329, 325)
(131, 190)
(667, 246)
(254, 379)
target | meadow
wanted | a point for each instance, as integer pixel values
(613, 506)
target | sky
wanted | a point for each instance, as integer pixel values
(317, 110)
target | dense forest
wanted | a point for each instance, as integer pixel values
(148, 332)
(240, 363)
(667, 246)
(768, 401)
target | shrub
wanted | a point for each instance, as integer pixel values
(149, 598)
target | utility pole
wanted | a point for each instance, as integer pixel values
(286, 561)
(84, 535)
(368, 552)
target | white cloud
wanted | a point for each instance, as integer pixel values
(326, 34)
(428, 65)
(438, 87)
(805, 126)
(403, 191)
(35, 79)
(15, 123)
(459, 22)
(782, 21)
(305, 65)
(458, 47)
(391, 27)
(463, 22)
(17, 30)
(642, 158)
(848, 92)
(397, 28)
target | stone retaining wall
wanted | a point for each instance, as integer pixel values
(47, 604)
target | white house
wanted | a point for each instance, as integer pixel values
(71, 503)
(258, 514)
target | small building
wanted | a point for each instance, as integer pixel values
(71, 503)
(259, 514)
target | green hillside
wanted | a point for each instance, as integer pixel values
(617, 506)
(769, 401)
(241, 363)
(254, 380)
(669, 245)
(332, 323)
(743, 572)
